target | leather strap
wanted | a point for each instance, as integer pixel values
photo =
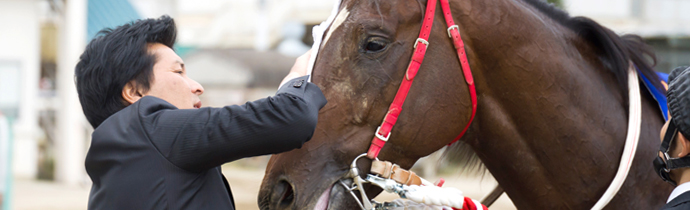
(383, 132)
(392, 171)
(421, 44)
(454, 33)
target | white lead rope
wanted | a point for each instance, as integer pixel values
(427, 193)
(631, 141)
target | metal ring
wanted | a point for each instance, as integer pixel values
(354, 162)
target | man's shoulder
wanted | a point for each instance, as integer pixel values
(132, 113)
(150, 104)
(680, 202)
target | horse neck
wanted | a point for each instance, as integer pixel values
(551, 117)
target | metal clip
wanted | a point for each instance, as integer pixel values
(668, 163)
(388, 185)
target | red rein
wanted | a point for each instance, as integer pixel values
(421, 45)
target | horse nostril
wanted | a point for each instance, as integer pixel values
(284, 190)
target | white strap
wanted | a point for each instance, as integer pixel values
(631, 141)
(317, 33)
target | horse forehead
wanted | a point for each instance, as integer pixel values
(342, 16)
(379, 8)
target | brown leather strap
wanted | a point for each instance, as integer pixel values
(392, 171)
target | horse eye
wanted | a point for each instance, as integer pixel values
(375, 45)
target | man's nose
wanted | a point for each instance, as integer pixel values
(196, 87)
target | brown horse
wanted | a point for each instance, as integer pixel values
(552, 104)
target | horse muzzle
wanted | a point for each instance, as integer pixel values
(283, 195)
(346, 191)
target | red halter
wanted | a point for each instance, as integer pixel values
(384, 130)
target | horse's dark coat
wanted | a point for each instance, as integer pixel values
(551, 117)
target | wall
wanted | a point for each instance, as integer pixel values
(19, 41)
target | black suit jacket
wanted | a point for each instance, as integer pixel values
(682, 202)
(152, 155)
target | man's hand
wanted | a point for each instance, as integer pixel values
(299, 69)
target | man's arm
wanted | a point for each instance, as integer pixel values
(198, 139)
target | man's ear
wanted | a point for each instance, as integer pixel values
(130, 93)
(684, 145)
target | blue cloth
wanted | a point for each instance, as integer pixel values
(663, 76)
(658, 96)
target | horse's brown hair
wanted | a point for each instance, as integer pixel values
(615, 52)
(551, 112)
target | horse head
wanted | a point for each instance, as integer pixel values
(551, 116)
(363, 59)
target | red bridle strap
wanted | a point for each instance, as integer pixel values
(454, 33)
(383, 132)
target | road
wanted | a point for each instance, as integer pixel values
(245, 182)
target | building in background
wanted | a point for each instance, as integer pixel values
(19, 79)
(234, 76)
(248, 24)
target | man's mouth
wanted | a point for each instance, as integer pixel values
(197, 105)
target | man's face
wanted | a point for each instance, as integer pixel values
(170, 81)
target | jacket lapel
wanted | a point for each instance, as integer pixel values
(682, 198)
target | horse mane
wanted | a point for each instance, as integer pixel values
(613, 51)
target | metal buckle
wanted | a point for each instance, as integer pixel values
(667, 157)
(451, 28)
(383, 138)
(422, 41)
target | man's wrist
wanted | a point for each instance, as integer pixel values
(290, 76)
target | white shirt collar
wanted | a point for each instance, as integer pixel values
(679, 190)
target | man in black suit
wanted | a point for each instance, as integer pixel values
(673, 163)
(154, 147)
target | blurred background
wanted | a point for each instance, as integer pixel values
(239, 50)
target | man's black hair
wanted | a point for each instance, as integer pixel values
(114, 58)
